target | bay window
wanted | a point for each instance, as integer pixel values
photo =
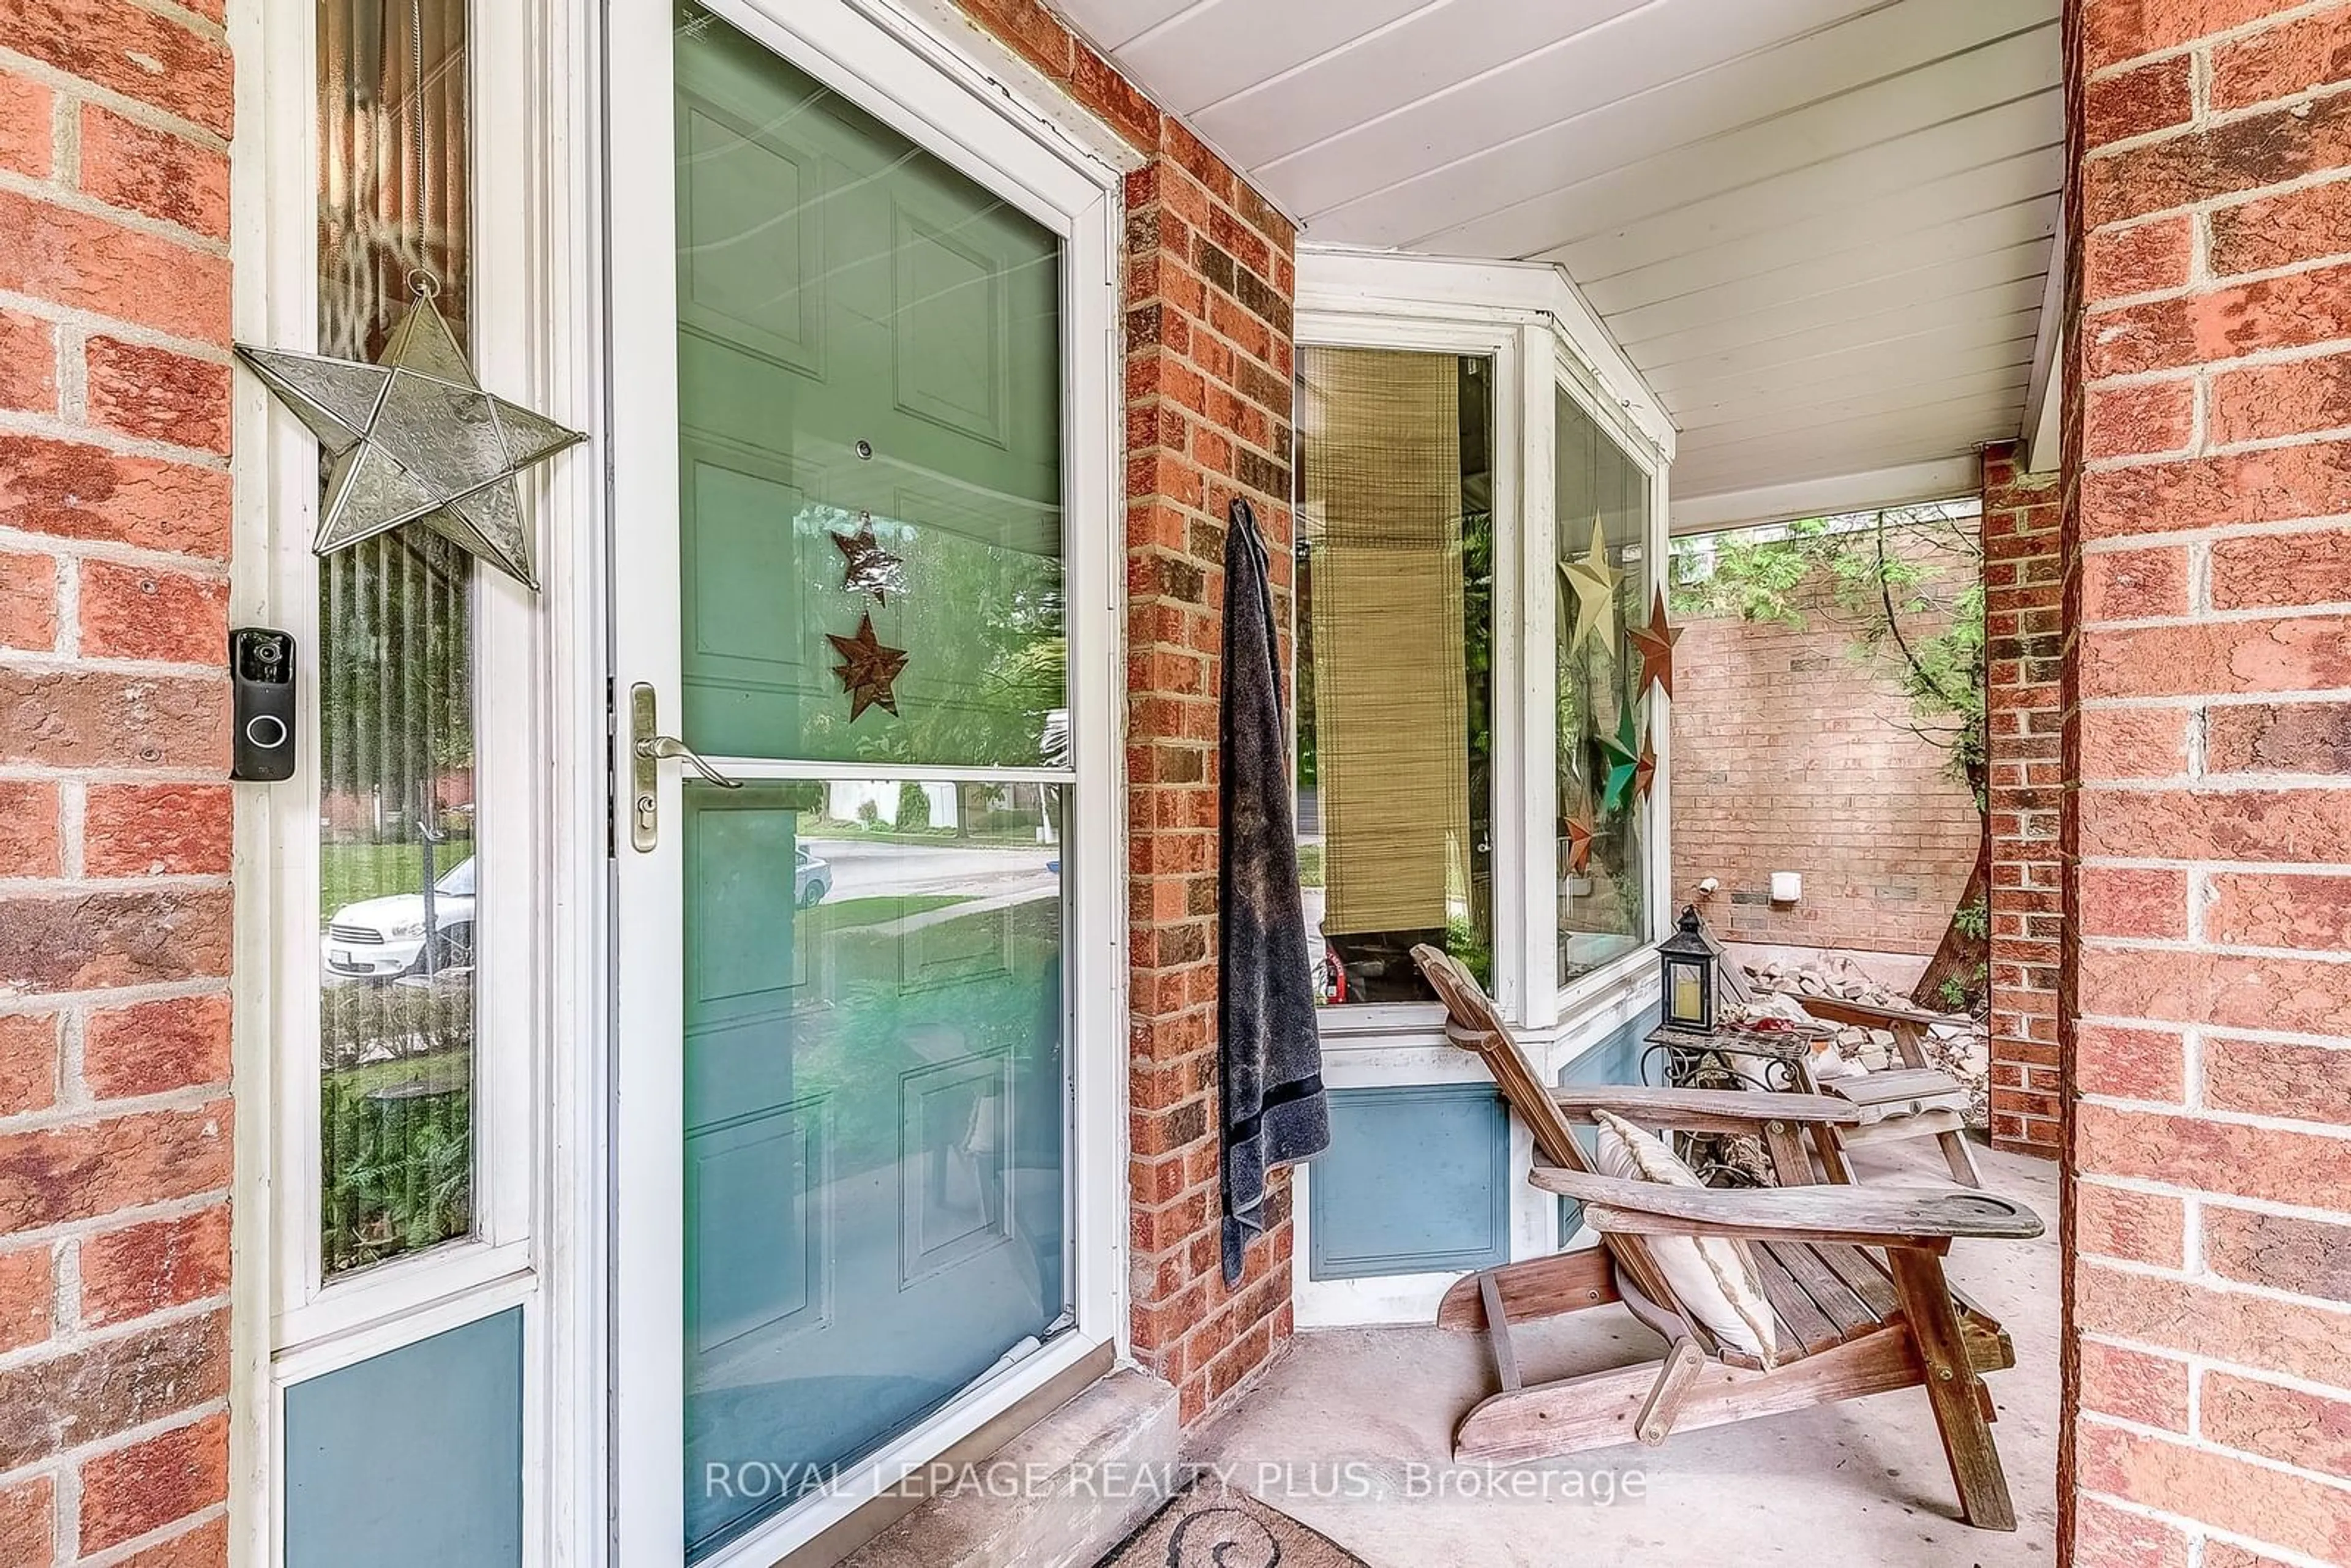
(1480, 493)
(1477, 763)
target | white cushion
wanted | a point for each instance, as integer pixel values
(1714, 1278)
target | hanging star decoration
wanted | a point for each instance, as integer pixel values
(1579, 841)
(1644, 768)
(413, 438)
(1654, 643)
(865, 566)
(1621, 753)
(1593, 582)
(867, 668)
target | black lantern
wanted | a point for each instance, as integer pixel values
(1687, 960)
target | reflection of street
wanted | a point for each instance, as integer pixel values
(878, 869)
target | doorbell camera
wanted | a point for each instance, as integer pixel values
(261, 691)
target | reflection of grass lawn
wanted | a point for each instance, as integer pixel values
(1310, 865)
(350, 873)
(882, 909)
(1019, 838)
(443, 1070)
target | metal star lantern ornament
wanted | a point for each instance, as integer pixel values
(415, 439)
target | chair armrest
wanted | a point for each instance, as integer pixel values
(1882, 1217)
(1700, 1110)
(1837, 1010)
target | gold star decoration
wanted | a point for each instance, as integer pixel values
(1579, 843)
(1592, 581)
(867, 668)
(413, 438)
(1654, 643)
(866, 567)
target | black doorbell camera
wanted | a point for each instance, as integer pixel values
(261, 687)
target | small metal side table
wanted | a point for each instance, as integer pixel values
(1731, 1057)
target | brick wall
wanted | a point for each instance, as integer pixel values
(2209, 558)
(2022, 642)
(114, 825)
(1208, 283)
(1791, 754)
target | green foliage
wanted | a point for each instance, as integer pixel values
(395, 1117)
(1887, 577)
(1973, 919)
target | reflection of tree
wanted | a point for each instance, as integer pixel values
(992, 613)
(395, 698)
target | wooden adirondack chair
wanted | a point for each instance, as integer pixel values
(1882, 1095)
(1853, 1275)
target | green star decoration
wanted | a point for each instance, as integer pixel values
(1628, 760)
(413, 438)
(1593, 582)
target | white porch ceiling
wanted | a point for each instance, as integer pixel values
(1820, 229)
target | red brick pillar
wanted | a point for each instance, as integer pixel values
(1209, 282)
(1209, 367)
(2023, 586)
(2208, 556)
(114, 820)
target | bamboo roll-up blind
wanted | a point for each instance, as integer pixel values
(1383, 519)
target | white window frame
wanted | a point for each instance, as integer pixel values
(538, 775)
(511, 805)
(1541, 338)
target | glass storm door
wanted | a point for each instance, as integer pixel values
(842, 1017)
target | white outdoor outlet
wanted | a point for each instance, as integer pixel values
(1787, 886)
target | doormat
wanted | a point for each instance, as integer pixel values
(1211, 1526)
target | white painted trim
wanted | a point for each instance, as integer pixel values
(946, 31)
(2044, 394)
(258, 189)
(894, 68)
(1938, 479)
(1338, 281)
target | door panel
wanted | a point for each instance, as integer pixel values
(869, 327)
(874, 1078)
(842, 1112)
(875, 1203)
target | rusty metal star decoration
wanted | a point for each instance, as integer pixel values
(867, 668)
(866, 567)
(1644, 768)
(1654, 643)
(1579, 843)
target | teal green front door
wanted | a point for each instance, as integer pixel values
(876, 1100)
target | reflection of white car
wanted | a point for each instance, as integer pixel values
(811, 879)
(382, 938)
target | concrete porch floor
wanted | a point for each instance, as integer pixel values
(1862, 1482)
